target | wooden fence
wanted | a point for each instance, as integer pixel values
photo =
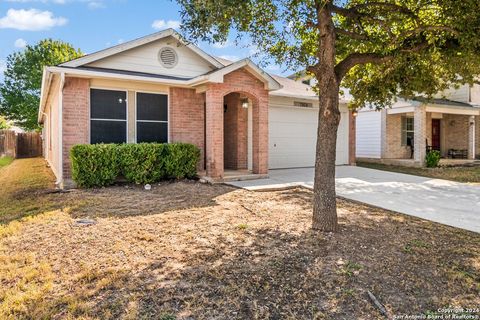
(20, 145)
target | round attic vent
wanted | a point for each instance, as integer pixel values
(168, 57)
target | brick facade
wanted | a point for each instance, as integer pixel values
(76, 101)
(235, 133)
(393, 148)
(243, 82)
(187, 119)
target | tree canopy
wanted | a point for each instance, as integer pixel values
(383, 49)
(20, 92)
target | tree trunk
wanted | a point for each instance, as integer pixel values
(324, 198)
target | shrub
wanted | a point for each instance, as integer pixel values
(432, 159)
(181, 161)
(94, 165)
(143, 163)
(100, 165)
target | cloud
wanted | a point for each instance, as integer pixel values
(43, 1)
(95, 5)
(162, 24)
(30, 20)
(20, 43)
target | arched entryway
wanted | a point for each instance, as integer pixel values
(237, 131)
(227, 137)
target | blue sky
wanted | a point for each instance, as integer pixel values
(92, 25)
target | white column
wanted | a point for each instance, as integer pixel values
(471, 138)
(420, 135)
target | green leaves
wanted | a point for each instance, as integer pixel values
(101, 164)
(408, 47)
(20, 92)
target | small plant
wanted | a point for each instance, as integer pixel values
(415, 243)
(242, 226)
(432, 159)
(350, 269)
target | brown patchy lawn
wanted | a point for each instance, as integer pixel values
(460, 174)
(186, 250)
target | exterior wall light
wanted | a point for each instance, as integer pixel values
(245, 103)
(354, 113)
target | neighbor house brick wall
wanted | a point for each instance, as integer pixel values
(420, 134)
(393, 146)
(455, 132)
(186, 119)
(76, 100)
(243, 82)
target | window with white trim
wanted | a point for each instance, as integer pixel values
(408, 131)
(108, 116)
(152, 117)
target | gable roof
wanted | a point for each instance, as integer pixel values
(89, 58)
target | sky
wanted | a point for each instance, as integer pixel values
(93, 25)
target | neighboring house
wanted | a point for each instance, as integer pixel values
(160, 89)
(404, 133)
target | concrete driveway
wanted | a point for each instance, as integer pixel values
(451, 203)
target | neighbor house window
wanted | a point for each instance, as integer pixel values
(407, 131)
(108, 116)
(152, 117)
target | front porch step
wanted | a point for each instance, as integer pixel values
(244, 177)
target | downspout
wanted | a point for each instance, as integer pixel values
(60, 126)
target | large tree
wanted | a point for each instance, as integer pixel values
(20, 92)
(378, 49)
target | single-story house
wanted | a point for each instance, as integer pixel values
(404, 133)
(160, 88)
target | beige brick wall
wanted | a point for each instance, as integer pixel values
(393, 146)
(455, 131)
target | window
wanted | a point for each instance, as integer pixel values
(302, 104)
(152, 117)
(108, 116)
(407, 131)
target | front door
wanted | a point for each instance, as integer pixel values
(436, 134)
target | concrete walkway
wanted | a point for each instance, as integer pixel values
(451, 203)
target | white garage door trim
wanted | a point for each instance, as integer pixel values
(292, 137)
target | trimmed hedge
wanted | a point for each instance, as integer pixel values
(101, 164)
(94, 165)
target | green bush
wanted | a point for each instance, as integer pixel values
(143, 163)
(432, 159)
(100, 165)
(181, 161)
(94, 165)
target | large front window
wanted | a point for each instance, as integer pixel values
(407, 131)
(152, 117)
(108, 116)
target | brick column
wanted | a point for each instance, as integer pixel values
(352, 139)
(420, 127)
(214, 134)
(383, 134)
(471, 138)
(260, 136)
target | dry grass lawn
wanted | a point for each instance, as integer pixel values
(185, 250)
(460, 174)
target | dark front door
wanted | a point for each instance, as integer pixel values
(436, 134)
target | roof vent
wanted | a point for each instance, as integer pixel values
(168, 57)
